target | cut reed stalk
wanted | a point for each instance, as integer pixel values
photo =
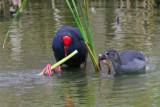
(62, 61)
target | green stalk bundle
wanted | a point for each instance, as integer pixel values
(81, 17)
(20, 10)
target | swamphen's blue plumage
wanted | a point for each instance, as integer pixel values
(66, 40)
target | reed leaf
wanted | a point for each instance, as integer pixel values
(81, 18)
(77, 18)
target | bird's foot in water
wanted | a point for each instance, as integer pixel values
(49, 72)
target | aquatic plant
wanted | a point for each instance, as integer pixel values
(18, 12)
(81, 16)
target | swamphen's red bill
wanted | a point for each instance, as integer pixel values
(67, 39)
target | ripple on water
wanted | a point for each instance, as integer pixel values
(22, 78)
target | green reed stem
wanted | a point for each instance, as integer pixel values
(84, 27)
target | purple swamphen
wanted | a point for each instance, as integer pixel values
(66, 40)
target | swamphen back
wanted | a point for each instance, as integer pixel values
(66, 40)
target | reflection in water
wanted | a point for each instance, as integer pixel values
(68, 101)
(133, 88)
(56, 15)
(119, 29)
(15, 40)
(119, 24)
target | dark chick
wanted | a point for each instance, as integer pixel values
(128, 61)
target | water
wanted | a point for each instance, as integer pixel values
(28, 49)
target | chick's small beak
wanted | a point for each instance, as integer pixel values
(105, 60)
(101, 56)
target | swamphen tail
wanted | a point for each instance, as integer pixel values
(66, 40)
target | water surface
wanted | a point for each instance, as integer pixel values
(28, 49)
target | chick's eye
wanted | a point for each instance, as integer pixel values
(107, 53)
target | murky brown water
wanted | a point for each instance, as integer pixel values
(28, 49)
